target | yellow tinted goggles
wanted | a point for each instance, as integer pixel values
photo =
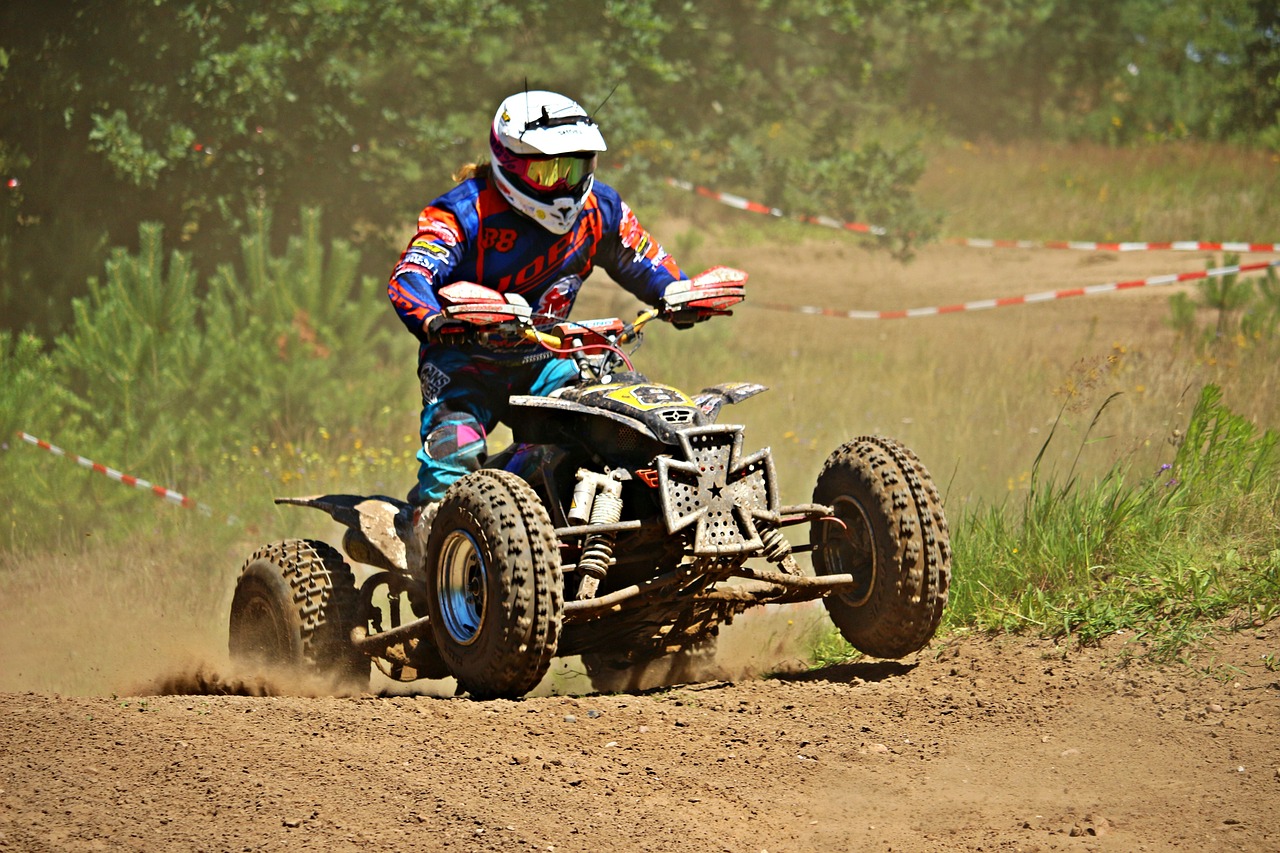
(553, 173)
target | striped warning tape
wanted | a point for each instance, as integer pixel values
(113, 474)
(741, 203)
(1175, 246)
(755, 207)
(1003, 302)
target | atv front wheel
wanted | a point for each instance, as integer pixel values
(894, 541)
(494, 587)
(293, 610)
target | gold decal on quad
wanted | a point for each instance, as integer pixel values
(646, 397)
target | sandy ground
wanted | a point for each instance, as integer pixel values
(974, 744)
(977, 744)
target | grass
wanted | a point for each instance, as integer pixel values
(1095, 192)
(1163, 554)
(1047, 428)
(1168, 556)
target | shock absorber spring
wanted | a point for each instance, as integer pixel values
(778, 550)
(597, 548)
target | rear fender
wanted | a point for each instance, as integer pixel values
(377, 527)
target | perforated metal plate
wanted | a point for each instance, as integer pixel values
(718, 490)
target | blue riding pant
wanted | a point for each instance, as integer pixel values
(463, 399)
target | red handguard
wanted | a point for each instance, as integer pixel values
(480, 305)
(705, 295)
(466, 307)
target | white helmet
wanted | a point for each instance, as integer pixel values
(544, 155)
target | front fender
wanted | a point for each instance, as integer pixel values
(712, 400)
(543, 419)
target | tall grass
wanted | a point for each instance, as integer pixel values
(1160, 553)
(1083, 191)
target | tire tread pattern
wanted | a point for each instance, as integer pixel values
(326, 600)
(911, 537)
(525, 556)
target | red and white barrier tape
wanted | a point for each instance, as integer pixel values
(1003, 302)
(755, 207)
(113, 474)
(1175, 246)
(981, 243)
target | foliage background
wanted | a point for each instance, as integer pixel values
(193, 113)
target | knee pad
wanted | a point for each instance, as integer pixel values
(458, 439)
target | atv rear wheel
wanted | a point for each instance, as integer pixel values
(895, 543)
(293, 610)
(494, 586)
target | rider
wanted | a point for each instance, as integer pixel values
(533, 222)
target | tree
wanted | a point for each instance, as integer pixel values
(1004, 69)
(1117, 71)
(189, 113)
(1205, 69)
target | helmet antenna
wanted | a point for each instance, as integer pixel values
(606, 99)
(526, 105)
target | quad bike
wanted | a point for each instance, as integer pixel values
(624, 524)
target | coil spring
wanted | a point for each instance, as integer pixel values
(776, 547)
(597, 550)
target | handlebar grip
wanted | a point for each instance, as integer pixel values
(638, 324)
(536, 337)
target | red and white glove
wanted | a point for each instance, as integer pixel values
(707, 294)
(466, 307)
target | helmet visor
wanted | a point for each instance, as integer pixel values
(555, 173)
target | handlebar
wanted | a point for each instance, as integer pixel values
(591, 334)
(594, 345)
(474, 313)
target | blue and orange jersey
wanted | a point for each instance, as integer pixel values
(472, 234)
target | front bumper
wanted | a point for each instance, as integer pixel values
(722, 494)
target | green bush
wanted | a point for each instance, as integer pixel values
(292, 334)
(164, 379)
(130, 357)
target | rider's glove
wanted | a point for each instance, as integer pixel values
(707, 294)
(441, 329)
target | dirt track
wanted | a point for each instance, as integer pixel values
(978, 745)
